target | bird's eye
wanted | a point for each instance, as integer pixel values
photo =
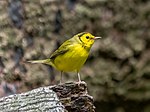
(87, 37)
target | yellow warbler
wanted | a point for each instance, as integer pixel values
(72, 54)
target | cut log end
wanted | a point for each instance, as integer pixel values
(67, 97)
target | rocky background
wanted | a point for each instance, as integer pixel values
(118, 69)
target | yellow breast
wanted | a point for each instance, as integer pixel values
(72, 60)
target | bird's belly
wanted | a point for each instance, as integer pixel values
(72, 60)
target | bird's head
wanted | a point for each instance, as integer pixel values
(86, 39)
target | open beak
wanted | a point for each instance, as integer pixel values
(97, 38)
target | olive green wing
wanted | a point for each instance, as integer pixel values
(65, 47)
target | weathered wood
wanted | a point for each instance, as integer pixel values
(71, 97)
(42, 99)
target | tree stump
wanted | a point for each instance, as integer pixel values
(68, 97)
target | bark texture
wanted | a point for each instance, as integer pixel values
(68, 97)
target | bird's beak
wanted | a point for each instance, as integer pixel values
(97, 38)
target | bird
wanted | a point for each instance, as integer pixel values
(71, 55)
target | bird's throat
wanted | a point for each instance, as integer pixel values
(86, 47)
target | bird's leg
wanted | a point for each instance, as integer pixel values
(79, 79)
(61, 77)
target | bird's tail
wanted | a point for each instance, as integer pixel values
(45, 61)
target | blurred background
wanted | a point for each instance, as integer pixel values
(118, 69)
